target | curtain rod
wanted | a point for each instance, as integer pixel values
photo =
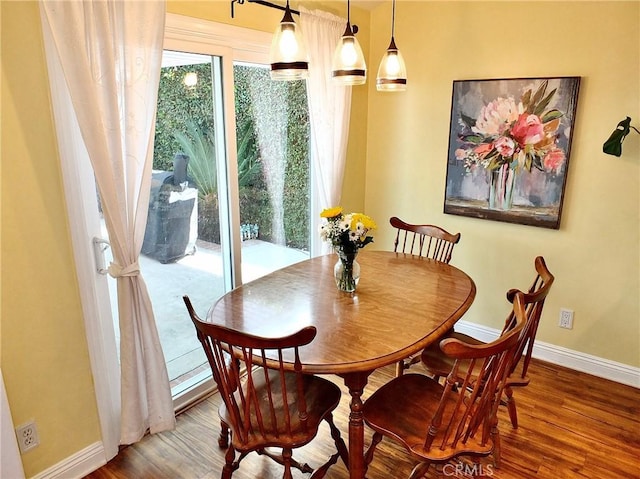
(276, 6)
(262, 2)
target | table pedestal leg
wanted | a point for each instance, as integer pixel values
(356, 383)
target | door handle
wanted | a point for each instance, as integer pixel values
(100, 245)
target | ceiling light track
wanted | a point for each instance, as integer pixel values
(272, 5)
(261, 2)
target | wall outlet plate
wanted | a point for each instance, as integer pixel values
(566, 318)
(27, 435)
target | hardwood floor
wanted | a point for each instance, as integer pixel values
(571, 425)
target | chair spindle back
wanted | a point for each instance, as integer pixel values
(534, 303)
(428, 241)
(468, 407)
(253, 382)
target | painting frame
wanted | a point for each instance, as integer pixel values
(509, 148)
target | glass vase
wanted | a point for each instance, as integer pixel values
(346, 271)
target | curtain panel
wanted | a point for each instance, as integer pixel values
(329, 104)
(110, 53)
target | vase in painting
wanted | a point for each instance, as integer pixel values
(501, 188)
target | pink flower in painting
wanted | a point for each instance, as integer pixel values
(496, 117)
(553, 160)
(461, 153)
(505, 146)
(528, 130)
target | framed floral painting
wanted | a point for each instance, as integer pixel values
(509, 145)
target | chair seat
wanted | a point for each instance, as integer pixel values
(440, 364)
(322, 397)
(404, 408)
(517, 380)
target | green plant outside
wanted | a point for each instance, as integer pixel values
(199, 146)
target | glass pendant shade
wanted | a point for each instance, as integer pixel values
(349, 67)
(392, 73)
(288, 54)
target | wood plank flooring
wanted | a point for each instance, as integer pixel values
(571, 425)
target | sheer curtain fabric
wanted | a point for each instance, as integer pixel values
(110, 53)
(329, 106)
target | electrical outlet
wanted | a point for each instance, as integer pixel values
(566, 318)
(27, 436)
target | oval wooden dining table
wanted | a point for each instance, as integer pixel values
(402, 304)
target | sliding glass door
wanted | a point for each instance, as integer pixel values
(229, 199)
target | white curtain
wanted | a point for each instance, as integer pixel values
(329, 104)
(111, 52)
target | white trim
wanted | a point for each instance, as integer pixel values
(79, 465)
(248, 45)
(192, 390)
(576, 360)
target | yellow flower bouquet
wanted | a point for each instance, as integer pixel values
(346, 233)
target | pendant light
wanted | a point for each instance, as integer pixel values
(392, 73)
(349, 67)
(288, 54)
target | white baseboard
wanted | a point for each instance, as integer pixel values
(77, 466)
(586, 363)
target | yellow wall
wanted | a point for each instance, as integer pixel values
(595, 253)
(45, 359)
(396, 165)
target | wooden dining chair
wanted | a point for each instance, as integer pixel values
(438, 364)
(437, 422)
(265, 403)
(428, 241)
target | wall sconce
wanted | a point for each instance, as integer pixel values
(613, 145)
(349, 67)
(392, 73)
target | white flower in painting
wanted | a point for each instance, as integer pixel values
(497, 117)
